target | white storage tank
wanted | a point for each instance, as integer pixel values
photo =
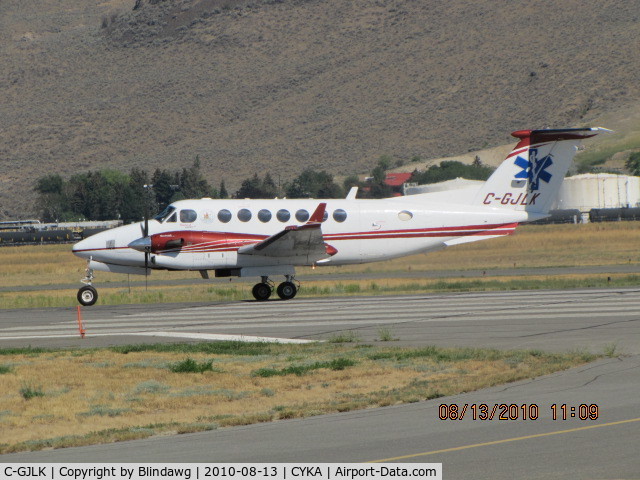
(601, 190)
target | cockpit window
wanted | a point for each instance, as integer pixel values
(166, 213)
(188, 216)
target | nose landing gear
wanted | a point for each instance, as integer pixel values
(87, 295)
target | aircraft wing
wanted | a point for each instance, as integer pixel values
(304, 242)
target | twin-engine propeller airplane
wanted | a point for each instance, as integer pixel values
(263, 238)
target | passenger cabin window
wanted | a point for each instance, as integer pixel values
(302, 215)
(188, 216)
(224, 215)
(165, 214)
(405, 215)
(264, 215)
(283, 215)
(325, 216)
(244, 215)
(339, 215)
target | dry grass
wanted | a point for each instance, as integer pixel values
(93, 396)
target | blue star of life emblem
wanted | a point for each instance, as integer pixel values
(534, 169)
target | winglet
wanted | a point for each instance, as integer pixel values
(318, 215)
(352, 193)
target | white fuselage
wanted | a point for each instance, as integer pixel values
(360, 230)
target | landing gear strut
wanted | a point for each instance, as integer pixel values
(87, 295)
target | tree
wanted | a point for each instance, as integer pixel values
(51, 202)
(192, 183)
(162, 181)
(313, 184)
(255, 187)
(269, 188)
(50, 184)
(109, 194)
(633, 163)
(223, 190)
(136, 196)
(450, 169)
(350, 182)
(376, 187)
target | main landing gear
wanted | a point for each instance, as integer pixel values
(286, 290)
(87, 295)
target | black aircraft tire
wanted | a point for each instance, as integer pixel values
(261, 292)
(287, 290)
(87, 296)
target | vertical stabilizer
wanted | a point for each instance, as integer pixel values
(530, 178)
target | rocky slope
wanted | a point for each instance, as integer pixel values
(280, 85)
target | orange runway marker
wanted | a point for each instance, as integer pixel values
(80, 324)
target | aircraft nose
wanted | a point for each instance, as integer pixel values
(141, 244)
(83, 248)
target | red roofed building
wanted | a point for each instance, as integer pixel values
(396, 180)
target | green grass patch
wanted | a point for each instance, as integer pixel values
(103, 410)
(190, 365)
(336, 364)
(213, 348)
(29, 351)
(29, 391)
(344, 337)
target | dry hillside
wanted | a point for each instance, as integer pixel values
(279, 85)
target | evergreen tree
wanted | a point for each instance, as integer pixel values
(135, 197)
(162, 181)
(223, 190)
(269, 188)
(633, 163)
(449, 169)
(313, 184)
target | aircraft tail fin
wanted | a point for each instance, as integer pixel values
(530, 177)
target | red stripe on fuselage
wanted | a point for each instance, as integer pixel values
(230, 242)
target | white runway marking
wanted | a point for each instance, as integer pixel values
(194, 336)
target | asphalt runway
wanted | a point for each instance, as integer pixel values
(595, 320)
(549, 320)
